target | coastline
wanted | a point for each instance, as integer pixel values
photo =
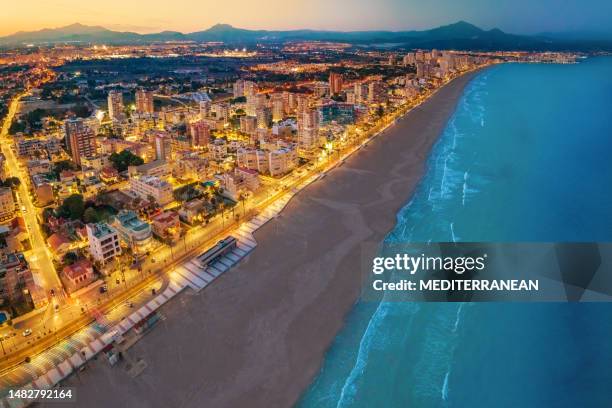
(237, 344)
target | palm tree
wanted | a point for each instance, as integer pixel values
(242, 198)
(222, 208)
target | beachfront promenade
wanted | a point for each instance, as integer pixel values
(48, 368)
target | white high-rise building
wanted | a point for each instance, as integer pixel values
(249, 88)
(308, 133)
(255, 102)
(238, 88)
(222, 112)
(361, 90)
(163, 146)
(278, 107)
(204, 109)
(103, 242)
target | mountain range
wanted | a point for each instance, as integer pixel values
(460, 35)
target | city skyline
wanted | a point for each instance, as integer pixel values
(520, 17)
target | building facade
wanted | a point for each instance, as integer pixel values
(103, 242)
(147, 187)
(80, 140)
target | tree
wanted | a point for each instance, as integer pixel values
(151, 203)
(61, 166)
(242, 198)
(91, 216)
(338, 98)
(70, 258)
(81, 111)
(73, 207)
(239, 99)
(125, 158)
(46, 213)
(12, 182)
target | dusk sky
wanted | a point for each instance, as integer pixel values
(517, 16)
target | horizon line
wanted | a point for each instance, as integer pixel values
(160, 30)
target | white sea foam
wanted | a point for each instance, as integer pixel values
(445, 387)
(465, 177)
(458, 318)
(349, 389)
(443, 181)
(452, 229)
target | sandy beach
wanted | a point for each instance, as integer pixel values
(258, 335)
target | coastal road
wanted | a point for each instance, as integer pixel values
(38, 257)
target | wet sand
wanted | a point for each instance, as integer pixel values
(257, 336)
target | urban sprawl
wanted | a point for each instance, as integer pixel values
(120, 162)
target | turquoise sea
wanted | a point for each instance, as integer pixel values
(527, 156)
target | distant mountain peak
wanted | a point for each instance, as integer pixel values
(459, 27)
(76, 25)
(463, 23)
(222, 27)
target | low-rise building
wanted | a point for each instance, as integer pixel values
(78, 275)
(59, 244)
(13, 236)
(96, 162)
(282, 161)
(254, 159)
(167, 226)
(147, 187)
(193, 168)
(234, 185)
(250, 177)
(134, 232)
(194, 212)
(109, 175)
(30, 147)
(43, 190)
(16, 279)
(217, 150)
(7, 203)
(155, 168)
(39, 166)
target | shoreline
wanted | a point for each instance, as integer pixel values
(239, 345)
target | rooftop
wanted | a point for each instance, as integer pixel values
(129, 220)
(79, 268)
(151, 165)
(165, 217)
(100, 230)
(153, 181)
(56, 240)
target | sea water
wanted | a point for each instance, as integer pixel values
(526, 156)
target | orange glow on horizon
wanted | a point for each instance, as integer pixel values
(146, 16)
